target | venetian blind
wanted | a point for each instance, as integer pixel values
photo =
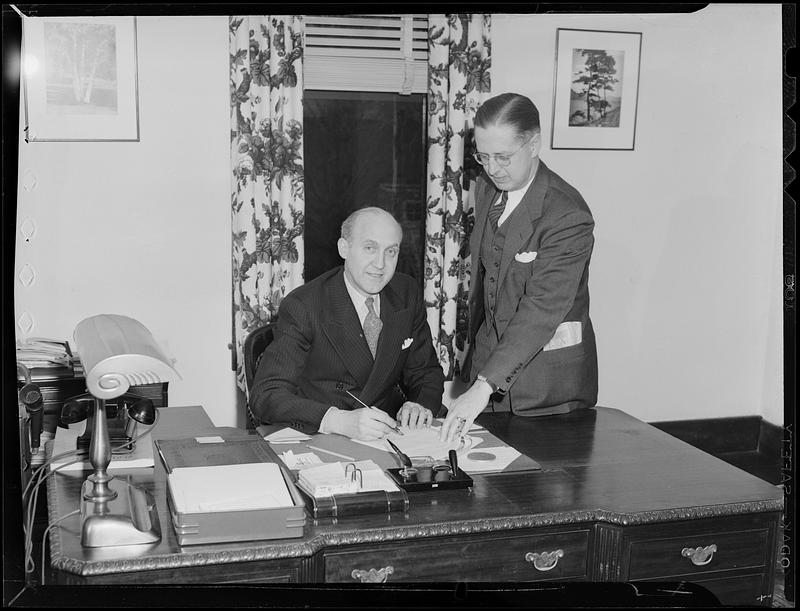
(366, 53)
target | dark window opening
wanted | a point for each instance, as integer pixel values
(363, 149)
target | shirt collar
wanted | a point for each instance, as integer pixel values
(359, 300)
(518, 193)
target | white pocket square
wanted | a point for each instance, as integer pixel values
(407, 342)
(526, 257)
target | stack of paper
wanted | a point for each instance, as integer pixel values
(42, 352)
(228, 488)
(287, 435)
(336, 478)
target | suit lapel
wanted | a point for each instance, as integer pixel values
(396, 323)
(520, 233)
(344, 330)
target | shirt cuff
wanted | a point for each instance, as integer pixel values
(325, 420)
(491, 384)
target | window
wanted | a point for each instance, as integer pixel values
(365, 79)
(363, 149)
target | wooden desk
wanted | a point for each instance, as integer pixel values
(617, 500)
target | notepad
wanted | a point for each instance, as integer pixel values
(228, 488)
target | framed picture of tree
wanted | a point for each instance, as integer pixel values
(595, 89)
(80, 79)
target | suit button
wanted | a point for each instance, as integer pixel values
(339, 385)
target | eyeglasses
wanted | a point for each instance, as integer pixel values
(501, 160)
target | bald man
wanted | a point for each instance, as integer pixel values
(360, 328)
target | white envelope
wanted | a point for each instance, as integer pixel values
(525, 257)
(567, 334)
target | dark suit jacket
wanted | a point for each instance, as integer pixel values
(319, 351)
(534, 297)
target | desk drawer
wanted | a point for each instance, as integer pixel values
(752, 590)
(694, 554)
(524, 557)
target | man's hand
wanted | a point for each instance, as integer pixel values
(414, 416)
(463, 411)
(361, 423)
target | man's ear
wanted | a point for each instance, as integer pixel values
(343, 246)
(536, 144)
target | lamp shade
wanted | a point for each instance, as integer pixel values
(118, 352)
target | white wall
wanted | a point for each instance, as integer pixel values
(685, 278)
(143, 228)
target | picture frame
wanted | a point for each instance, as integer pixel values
(80, 79)
(595, 89)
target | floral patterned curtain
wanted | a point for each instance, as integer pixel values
(459, 61)
(267, 198)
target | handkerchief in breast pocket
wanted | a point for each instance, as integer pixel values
(525, 257)
(407, 342)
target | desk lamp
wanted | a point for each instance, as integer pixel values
(116, 352)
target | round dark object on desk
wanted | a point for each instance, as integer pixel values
(481, 456)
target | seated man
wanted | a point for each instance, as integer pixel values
(362, 329)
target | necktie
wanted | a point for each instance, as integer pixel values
(496, 211)
(372, 326)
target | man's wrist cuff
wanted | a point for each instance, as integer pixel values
(491, 384)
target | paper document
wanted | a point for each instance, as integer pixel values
(66, 440)
(228, 488)
(287, 435)
(300, 461)
(472, 427)
(483, 461)
(423, 442)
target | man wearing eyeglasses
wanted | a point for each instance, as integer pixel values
(532, 346)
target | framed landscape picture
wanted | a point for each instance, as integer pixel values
(80, 79)
(595, 89)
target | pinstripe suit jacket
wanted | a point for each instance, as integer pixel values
(319, 351)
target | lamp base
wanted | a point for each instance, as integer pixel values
(129, 519)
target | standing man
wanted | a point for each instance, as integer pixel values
(532, 345)
(362, 329)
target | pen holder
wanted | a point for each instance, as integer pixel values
(426, 473)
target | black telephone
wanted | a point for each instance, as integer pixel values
(121, 425)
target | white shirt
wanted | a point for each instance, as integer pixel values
(514, 198)
(360, 304)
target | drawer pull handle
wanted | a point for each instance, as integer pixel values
(544, 561)
(372, 575)
(699, 555)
